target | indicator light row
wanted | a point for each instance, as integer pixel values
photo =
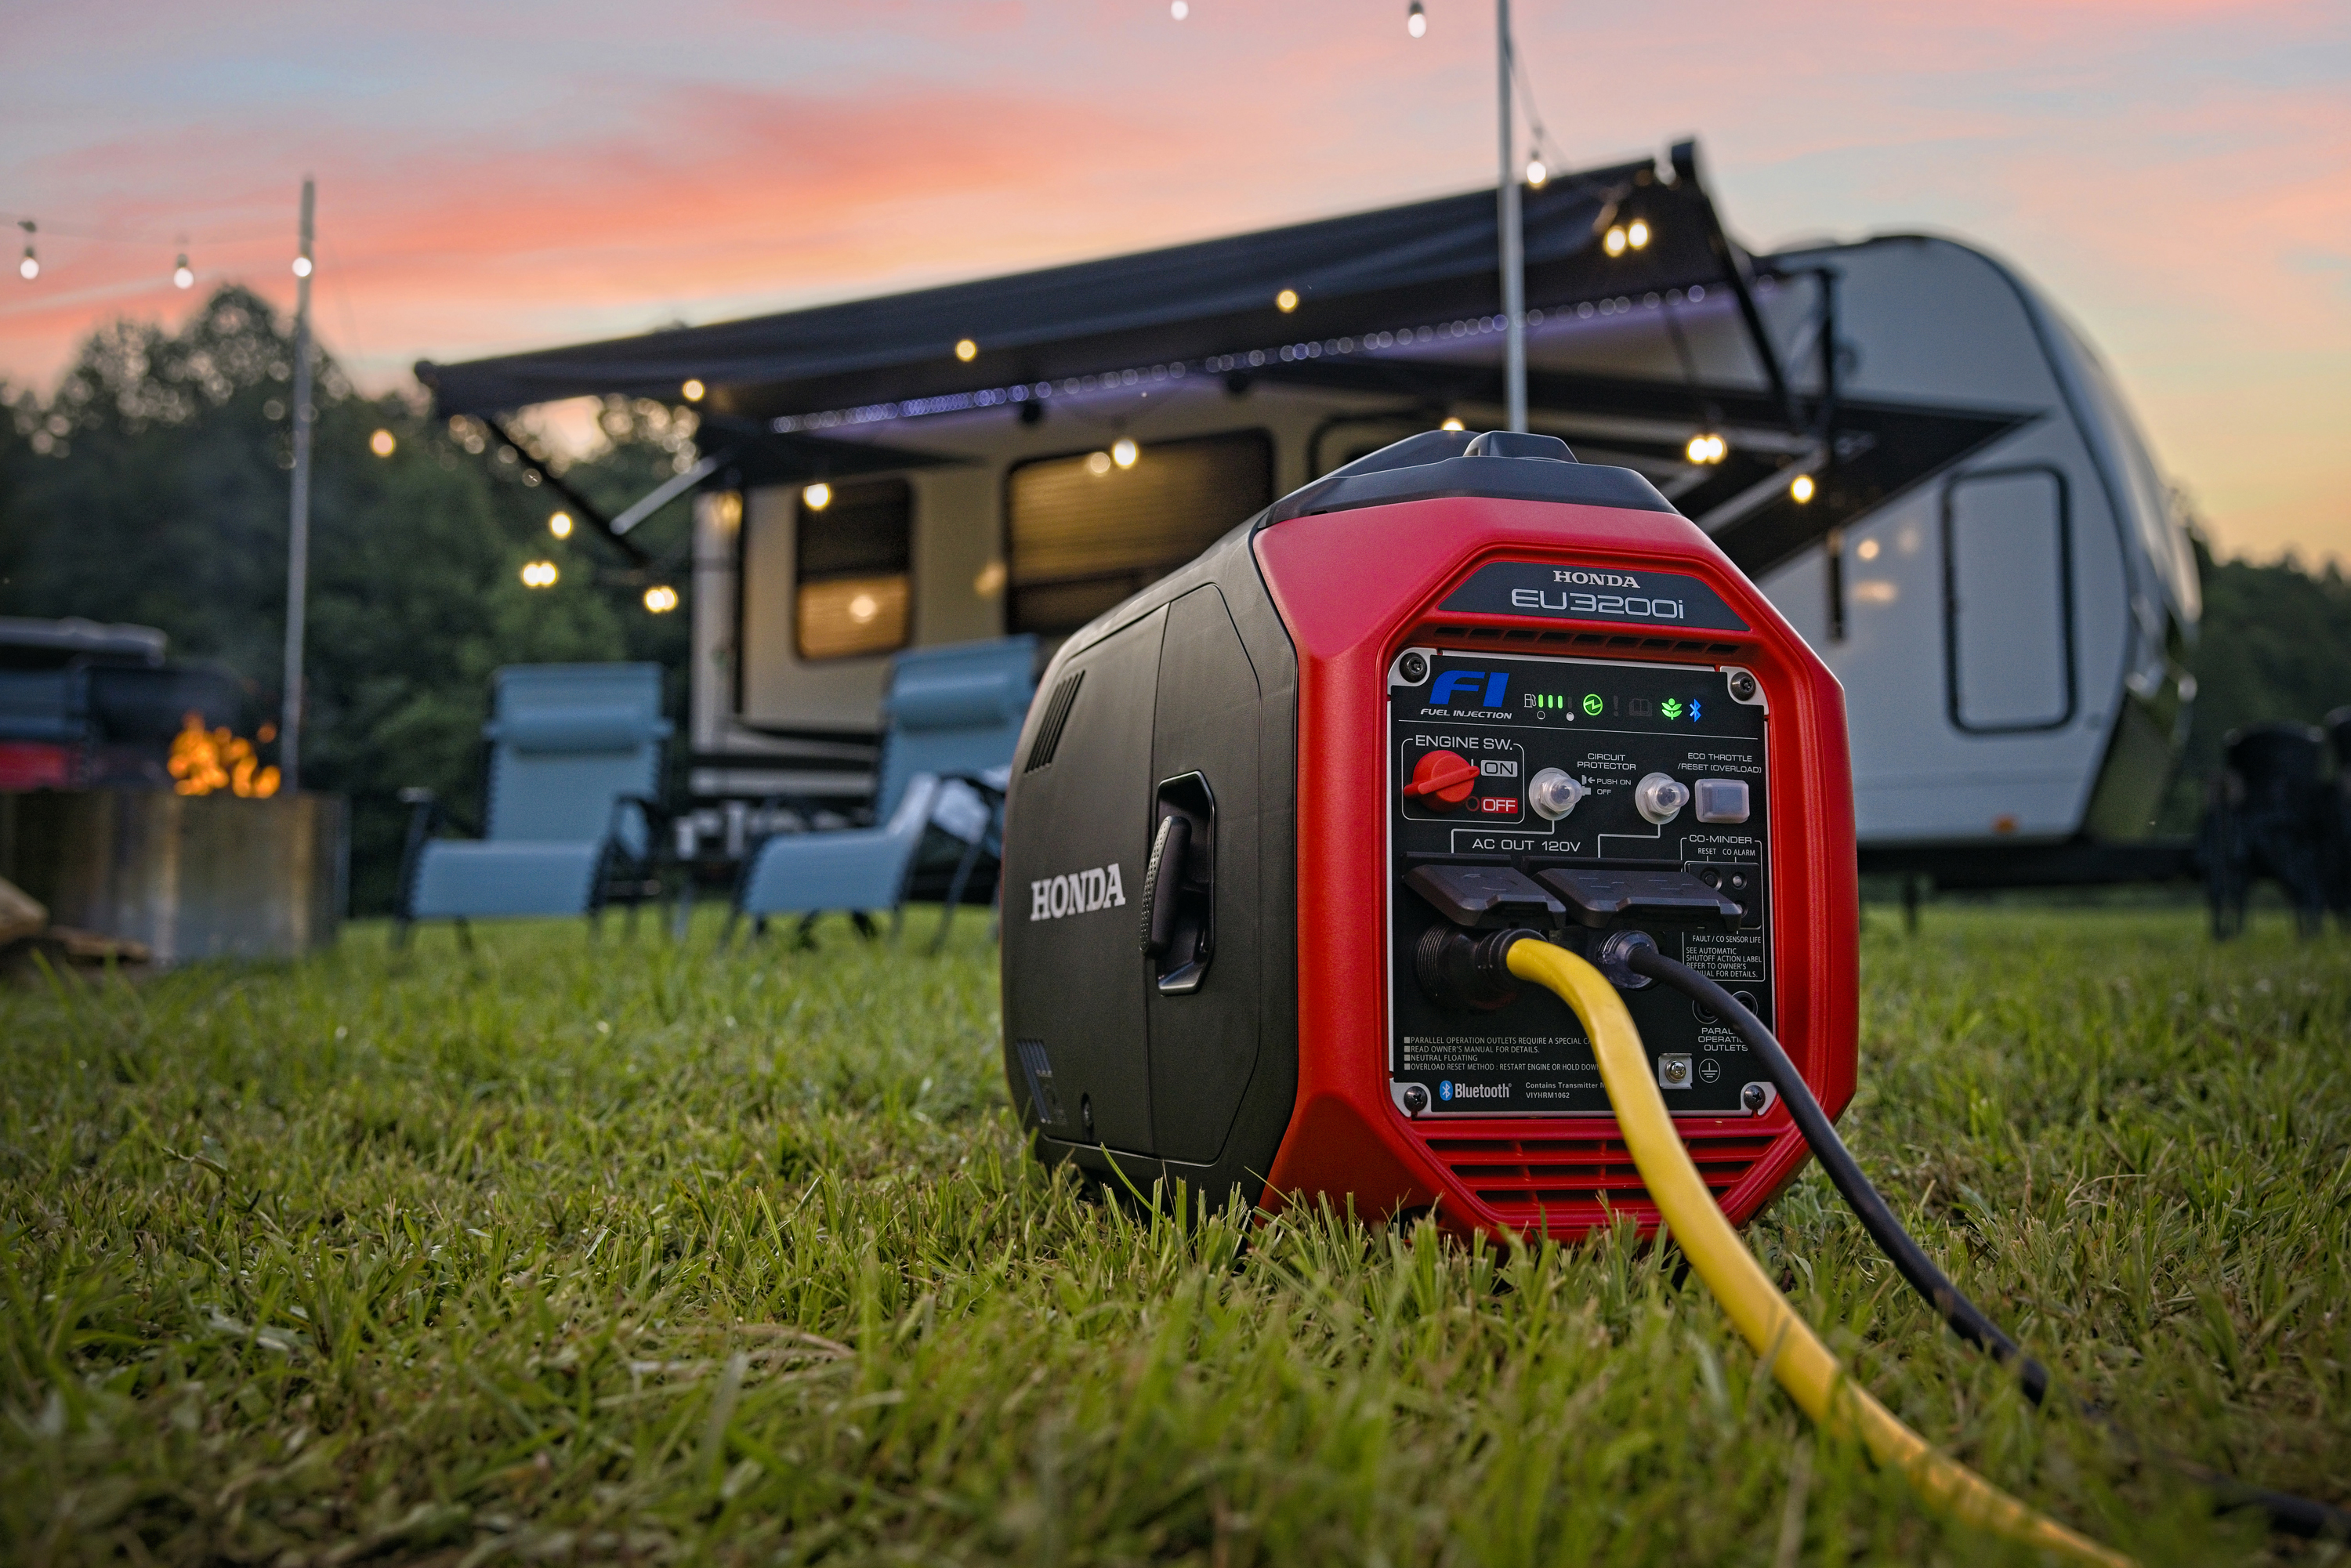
(1593, 704)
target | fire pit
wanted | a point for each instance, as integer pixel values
(130, 806)
(188, 876)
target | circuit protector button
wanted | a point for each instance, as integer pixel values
(1466, 894)
(1721, 800)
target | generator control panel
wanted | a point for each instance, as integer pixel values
(1582, 797)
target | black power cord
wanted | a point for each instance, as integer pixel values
(2287, 1514)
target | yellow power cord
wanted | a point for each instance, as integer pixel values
(1803, 1365)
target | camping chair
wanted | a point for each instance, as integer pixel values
(951, 721)
(573, 820)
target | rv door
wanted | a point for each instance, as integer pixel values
(2008, 600)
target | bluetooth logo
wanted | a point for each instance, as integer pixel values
(1445, 1089)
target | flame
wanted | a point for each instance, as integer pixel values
(205, 760)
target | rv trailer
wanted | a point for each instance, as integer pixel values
(1912, 452)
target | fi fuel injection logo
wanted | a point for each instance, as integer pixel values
(1465, 687)
(1079, 893)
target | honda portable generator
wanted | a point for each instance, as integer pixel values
(1464, 835)
(1263, 814)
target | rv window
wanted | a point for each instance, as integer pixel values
(1084, 533)
(851, 560)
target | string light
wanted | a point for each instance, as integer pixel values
(1416, 20)
(1637, 235)
(1123, 451)
(1536, 172)
(660, 599)
(184, 275)
(538, 574)
(1801, 490)
(1706, 447)
(30, 267)
(381, 443)
(559, 525)
(302, 267)
(1179, 10)
(1286, 301)
(693, 390)
(1451, 422)
(967, 351)
(1615, 242)
(817, 497)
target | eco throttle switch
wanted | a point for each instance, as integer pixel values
(1442, 781)
(1660, 798)
(1554, 792)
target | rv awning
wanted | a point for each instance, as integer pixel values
(1427, 261)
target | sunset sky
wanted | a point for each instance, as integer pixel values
(2176, 173)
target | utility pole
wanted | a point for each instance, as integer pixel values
(297, 537)
(1514, 261)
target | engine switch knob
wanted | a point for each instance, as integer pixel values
(1554, 792)
(1442, 781)
(1659, 798)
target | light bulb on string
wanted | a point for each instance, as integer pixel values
(1416, 20)
(30, 267)
(302, 267)
(1537, 172)
(183, 274)
(1123, 451)
(1179, 10)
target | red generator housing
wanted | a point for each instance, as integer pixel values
(1464, 682)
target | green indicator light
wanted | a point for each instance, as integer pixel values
(1592, 704)
(1671, 707)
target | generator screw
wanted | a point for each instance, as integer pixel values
(1416, 1098)
(1754, 1097)
(1742, 686)
(1414, 668)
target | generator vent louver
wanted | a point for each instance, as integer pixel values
(1057, 718)
(1038, 1070)
(1528, 1180)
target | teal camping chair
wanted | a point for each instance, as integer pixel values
(571, 819)
(950, 723)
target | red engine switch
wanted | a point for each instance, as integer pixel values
(1442, 780)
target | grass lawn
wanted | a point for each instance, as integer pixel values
(565, 1251)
